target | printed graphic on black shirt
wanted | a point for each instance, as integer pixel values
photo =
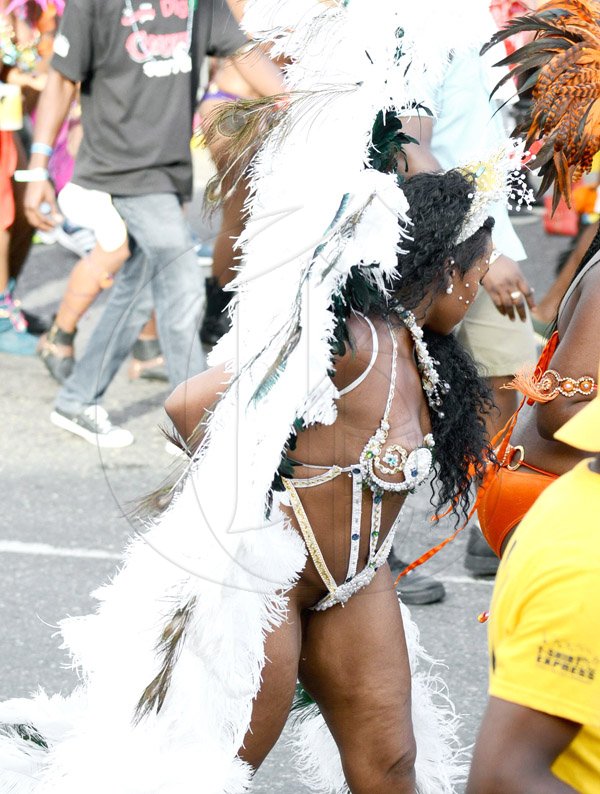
(161, 54)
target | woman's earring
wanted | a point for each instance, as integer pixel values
(450, 289)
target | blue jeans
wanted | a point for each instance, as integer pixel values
(161, 273)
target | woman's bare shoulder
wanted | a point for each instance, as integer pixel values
(358, 353)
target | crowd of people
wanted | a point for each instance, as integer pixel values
(371, 331)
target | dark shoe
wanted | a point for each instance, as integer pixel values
(480, 559)
(36, 325)
(216, 321)
(148, 361)
(93, 425)
(416, 588)
(52, 349)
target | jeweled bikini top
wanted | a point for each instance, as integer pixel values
(394, 459)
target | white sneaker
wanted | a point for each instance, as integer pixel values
(73, 238)
(93, 425)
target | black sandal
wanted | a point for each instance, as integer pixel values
(57, 364)
(148, 361)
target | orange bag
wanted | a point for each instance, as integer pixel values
(565, 221)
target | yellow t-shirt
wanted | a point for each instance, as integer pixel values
(544, 631)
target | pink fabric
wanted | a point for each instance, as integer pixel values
(505, 10)
(61, 164)
(8, 163)
(59, 5)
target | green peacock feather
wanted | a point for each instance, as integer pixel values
(169, 647)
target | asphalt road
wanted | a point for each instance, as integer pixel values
(64, 504)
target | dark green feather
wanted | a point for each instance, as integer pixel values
(169, 647)
(387, 142)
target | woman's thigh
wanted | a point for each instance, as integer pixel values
(355, 665)
(279, 676)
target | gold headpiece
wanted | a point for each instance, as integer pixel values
(498, 179)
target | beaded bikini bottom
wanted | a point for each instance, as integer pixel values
(339, 594)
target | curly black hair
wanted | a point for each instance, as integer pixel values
(438, 203)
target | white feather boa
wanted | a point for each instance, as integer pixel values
(213, 548)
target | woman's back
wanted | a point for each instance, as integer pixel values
(363, 377)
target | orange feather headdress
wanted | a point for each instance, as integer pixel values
(562, 66)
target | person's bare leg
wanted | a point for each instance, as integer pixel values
(273, 702)
(232, 222)
(232, 225)
(354, 663)
(149, 330)
(547, 308)
(88, 278)
(14, 338)
(20, 231)
(147, 359)
(4, 267)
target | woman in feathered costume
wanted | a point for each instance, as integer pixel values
(341, 390)
(562, 67)
(404, 384)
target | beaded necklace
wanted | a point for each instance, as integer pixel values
(393, 459)
(23, 56)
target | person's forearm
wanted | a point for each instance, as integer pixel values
(259, 71)
(542, 782)
(551, 416)
(237, 8)
(52, 109)
(417, 158)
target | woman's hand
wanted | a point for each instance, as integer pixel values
(508, 288)
(38, 194)
(36, 82)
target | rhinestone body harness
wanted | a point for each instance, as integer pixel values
(416, 467)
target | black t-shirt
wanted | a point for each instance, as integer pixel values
(138, 62)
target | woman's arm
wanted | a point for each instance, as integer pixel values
(577, 355)
(189, 402)
(52, 109)
(260, 72)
